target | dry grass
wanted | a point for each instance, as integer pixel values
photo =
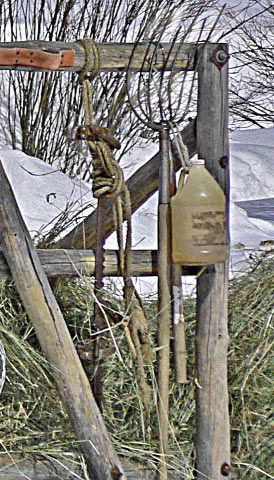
(32, 418)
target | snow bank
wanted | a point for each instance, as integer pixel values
(44, 193)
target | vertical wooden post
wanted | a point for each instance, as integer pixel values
(213, 430)
(55, 340)
(164, 298)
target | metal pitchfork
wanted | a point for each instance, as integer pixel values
(157, 100)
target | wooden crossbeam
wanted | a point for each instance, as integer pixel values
(73, 263)
(16, 466)
(114, 56)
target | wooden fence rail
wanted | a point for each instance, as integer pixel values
(114, 56)
(48, 467)
(74, 263)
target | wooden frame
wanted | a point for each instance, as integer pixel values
(213, 431)
(213, 437)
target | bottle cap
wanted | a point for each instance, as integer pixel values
(197, 161)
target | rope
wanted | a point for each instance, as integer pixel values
(92, 59)
(109, 182)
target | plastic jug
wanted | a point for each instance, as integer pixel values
(199, 219)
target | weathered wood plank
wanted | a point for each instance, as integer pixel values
(74, 263)
(213, 431)
(55, 340)
(114, 56)
(47, 467)
(142, 185)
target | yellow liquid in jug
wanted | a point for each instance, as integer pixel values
(199, 220)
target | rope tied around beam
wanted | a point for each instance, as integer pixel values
(92, 59)
(109, 182)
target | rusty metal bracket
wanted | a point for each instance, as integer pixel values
(219, 57)
(44, 59)
(95, 133)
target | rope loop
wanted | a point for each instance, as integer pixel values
(92, 61)
(108, 177)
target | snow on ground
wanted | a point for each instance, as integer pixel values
(252, 178)
(43, 192)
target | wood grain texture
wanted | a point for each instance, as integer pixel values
(114, 56)
(47, 467)
(142, 185)
(55, 340)
(74, 263)
(213, 431)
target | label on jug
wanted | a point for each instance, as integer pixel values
(200, 225)
(208, 227)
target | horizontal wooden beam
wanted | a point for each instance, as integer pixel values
(48, 467)
(114, 56)
(73, 263)
(142, 185)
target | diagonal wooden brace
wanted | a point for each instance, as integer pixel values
(55, 340)
(45, 60)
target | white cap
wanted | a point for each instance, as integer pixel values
(197, 161)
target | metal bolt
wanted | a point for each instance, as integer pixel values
(116, 473)
(224, 161)
(221, 56)
(225, 469)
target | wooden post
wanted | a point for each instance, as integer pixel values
(53, 335)
(213, 431)
(164, 298)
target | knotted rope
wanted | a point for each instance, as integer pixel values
(109, 182)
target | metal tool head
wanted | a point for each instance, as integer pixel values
(160, 94)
